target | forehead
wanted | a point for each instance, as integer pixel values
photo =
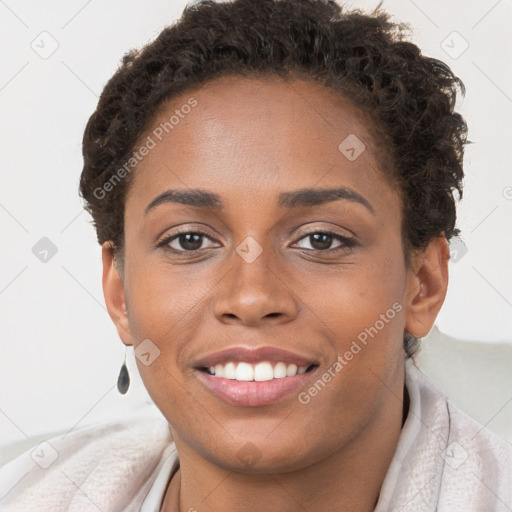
(256, 135)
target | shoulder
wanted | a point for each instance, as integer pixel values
(475, 464)
(107, 465)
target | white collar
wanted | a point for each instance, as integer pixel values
(165, 470)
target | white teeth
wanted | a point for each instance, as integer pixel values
(263, 371)
(291, 369)
(260, 372)
(230, 371)
(279, 371)
(219, 370)
(244, 372)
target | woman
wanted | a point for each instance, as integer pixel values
(272, 184)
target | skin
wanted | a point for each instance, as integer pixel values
(248, 140)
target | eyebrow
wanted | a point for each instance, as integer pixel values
(305, 197)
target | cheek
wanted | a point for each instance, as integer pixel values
(355, 298)
(162, 299)
(165, 306)
(361, 312)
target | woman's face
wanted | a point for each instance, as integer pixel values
(320, 275)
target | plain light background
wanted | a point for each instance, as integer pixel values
(60, 352)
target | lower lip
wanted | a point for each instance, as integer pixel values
(254, 394)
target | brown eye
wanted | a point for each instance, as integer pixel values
(323, 241)
(188, 241)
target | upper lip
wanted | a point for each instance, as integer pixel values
(251, 355)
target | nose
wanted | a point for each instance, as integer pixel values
(255, 293)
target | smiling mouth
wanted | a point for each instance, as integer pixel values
(260, 372)
(255, 385)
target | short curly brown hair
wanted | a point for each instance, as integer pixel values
(366, 58)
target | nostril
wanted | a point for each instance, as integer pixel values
(273, 314)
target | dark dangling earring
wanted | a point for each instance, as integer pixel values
(123, 381)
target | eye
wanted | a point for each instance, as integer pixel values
(186, 241)
(318, 241)
(323, 240)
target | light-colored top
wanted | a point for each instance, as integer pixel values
(155, 497)
(444, 462)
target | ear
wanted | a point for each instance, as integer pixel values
(113, 291)
(427, 282)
